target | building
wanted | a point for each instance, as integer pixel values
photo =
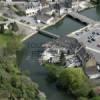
(73, 52)
(8, 1)
(32, 7)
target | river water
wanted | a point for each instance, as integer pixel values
(93, 13)
(65, 26)
(33, 51)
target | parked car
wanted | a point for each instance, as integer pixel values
(89, 41)
(93, 39)
(98, 45)
(88, 37)
(98, 33)
(93, 33)
(98, 67)
(77, 33)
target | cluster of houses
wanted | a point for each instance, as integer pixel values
(43, 11)
(33, 6)
(72, 50)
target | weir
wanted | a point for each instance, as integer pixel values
(49, 34)
(82, 18)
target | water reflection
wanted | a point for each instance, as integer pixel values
(98, 10)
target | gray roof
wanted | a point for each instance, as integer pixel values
(66, 42)
(70, 44)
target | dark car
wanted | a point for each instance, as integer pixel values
(88, 37)
(98, 33)
(89, 41)
(77, 33)
(93, 33)
(93, 39)
(98, 45)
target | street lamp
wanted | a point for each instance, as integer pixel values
(77, 5)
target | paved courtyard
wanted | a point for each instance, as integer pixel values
(91, 39)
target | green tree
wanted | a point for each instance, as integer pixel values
(2, 28)
(13, 46)
(53, 71)
(62, 58)
(13, 26)
(96, 98)
(74, 80)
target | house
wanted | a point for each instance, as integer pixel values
(32, 8)
(8, 1)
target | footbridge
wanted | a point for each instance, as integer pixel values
(49, 34)
(81, 18)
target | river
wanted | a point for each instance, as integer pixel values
(93, 13)
(33, 51)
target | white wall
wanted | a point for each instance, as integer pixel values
(8, 1)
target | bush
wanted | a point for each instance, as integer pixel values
(53, 70)
(75, 81)
(96, 98)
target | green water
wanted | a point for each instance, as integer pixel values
(33, 52)
(93, 13)
(65, 26)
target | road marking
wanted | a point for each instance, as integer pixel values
(97, 51)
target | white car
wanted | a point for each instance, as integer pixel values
(98, 67)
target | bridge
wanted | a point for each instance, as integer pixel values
(49, 34)
(81, 18)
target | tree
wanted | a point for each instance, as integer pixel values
(62, 58)
(96, 1)
(13, 26)
(53, 71)
(74, 80)
(96, 98)
(13, 46)
(2, 28)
